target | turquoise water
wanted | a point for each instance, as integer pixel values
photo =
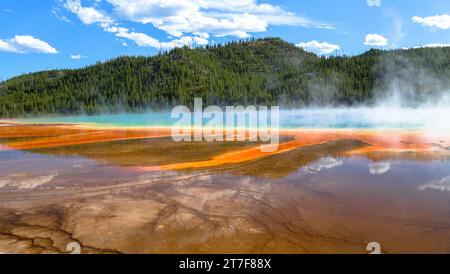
(362, 118)
(151, 119)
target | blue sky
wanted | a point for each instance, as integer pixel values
(49, 34)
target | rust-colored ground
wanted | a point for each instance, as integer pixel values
(50, 136)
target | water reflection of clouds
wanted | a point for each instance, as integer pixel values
(25, 182)
(379, 168)
(442, 185)
(324, 163)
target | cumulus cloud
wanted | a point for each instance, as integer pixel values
(374, 3)
(437, 21)
(375, 40)
(180, 17)
(141, 39)
(90, 15)
(184, 41)
(144, 40)
(77, 56)
(26, 44)
(219, 18)
(190, 22)
(7, 46)
(319, 47)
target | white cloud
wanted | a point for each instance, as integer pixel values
(220, 18)
(56, 13)
(319, 47)
(430, 45)
(141, 39)
(87, 15)
(434, 45)
(374, 3)
(93, 16)
(437, 21)
(375, 40)
(77, 56)
(191, 22)
(26, 44)
(184, 41)
(144, 40)
(7, 46)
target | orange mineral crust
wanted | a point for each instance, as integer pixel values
(23, 137)
(66, 135)
(378, 141)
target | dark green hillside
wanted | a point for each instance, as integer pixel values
(266, 71)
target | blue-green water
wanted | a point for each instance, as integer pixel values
(151, 119)
(359, 118)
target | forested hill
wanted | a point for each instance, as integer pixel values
(266, 71)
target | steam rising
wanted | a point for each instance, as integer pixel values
(383, 117)
(410, 92)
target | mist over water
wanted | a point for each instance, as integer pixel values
(407, 94)
(406, 97)
(428, 119)
(380, 117)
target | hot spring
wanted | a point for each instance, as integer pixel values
(427, 119)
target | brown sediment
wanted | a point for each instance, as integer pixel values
(377, 141)
(110, 209)
(205, 213)
(146, 152)
(227, 158)
(392, 141)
